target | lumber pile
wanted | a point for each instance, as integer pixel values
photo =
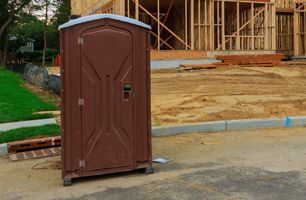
(263, 60)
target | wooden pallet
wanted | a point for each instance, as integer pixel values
(35, 154)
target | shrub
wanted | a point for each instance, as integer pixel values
(36, 56)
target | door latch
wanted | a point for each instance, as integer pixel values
(81, 102)
(127, 91)
(82, 163)
(80, 40)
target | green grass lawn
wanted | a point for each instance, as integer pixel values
(18, 103)
(29, 132)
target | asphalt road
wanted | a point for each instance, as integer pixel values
(251, 164)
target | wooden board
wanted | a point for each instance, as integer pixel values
(268, 60)
(32, 144)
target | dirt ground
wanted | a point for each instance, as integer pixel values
(249, 164)
(227, 93)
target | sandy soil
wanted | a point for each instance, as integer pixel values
(227, 93)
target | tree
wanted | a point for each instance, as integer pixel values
(9, 10)
(47, 8)
(38, 20)
(61, 15)
(27, 27)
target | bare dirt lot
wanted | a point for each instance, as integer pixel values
(227, 93)
(249, 164)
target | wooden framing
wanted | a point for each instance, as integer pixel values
(158, 25)
(192, 24)
(186, 23)
(300, 28)
(107, 8)
(213, 25)
(284, 4)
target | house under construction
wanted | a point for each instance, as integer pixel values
(214, 26)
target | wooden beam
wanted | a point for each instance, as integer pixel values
(304, 41)
(266, 27)
(136, 9)
(218, 25)
(252, 26)
(199, 26)
(163, 25)
(273, 29)
(296, 34)
(205, 27)
(164, 42)
(238, 26)
(223, 24)
(128, 8)
(192, 24)
(167, 14)
(165, 19)
(122, 7)
(211, 25)
(186, 24)
(158, 25)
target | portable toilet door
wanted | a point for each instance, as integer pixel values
(105, 96)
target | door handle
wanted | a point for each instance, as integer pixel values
(127, 91)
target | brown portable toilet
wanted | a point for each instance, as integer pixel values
(105, 96)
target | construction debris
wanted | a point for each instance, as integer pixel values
(26, 145)
(198, 66)
(161, 160)
(35, 154)
(262, 60)
(250, 59)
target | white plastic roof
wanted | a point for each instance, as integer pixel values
(89, 18)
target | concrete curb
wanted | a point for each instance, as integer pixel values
(216, 126)
(229, 125)
(190, 128)
(3, 149)
(15, 125)
(232, 125)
